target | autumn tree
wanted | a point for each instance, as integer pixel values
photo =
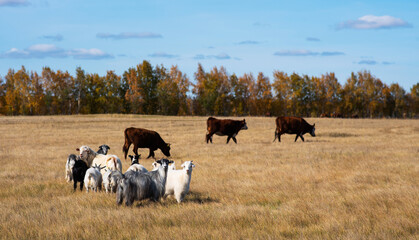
(58, 87)
(212, 91)
(283, 94)
(142, 93)
(172, 91)
(263, 95)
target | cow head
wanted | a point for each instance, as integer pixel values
(244, 125)
(166, 149)
(312, 133)
(134, 159)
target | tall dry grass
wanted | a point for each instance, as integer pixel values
(358, 179)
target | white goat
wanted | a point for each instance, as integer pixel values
(111, 162)
(106, 180)
(178, 181)
(93, 178)
(135, 166)
(71, 160)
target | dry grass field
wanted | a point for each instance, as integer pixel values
(357, 179)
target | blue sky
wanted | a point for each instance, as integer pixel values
(305, 37)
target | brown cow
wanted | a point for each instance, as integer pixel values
(293, 125)
(223, 127)
(143, 138)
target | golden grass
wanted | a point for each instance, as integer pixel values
(358, 179)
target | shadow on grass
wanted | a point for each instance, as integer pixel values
(193, 197)
(338, 135)
(200, 198)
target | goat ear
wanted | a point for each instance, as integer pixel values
(78, 149)
(130, 156)
(158, 161)
(109, 148)
(171, 162)
(314, 125)
(168, 144)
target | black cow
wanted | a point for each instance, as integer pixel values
(223, 127)
(143, 138)
(293, 125)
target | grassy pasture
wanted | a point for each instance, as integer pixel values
(357, 179)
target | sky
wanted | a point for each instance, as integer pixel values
(305, 37)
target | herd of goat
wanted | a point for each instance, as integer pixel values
(92, 169)
(95, 170)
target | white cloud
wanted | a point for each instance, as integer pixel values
(52, 51)
(13, 3)
(92, 53)
(57, 37)
(374, 22)
(303, 53)
(127, 35)
(221, 56)
(248, 42)
(162, 55)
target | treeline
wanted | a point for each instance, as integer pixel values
(145, 89)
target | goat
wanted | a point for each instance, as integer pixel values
(103, 149)
(114, 179)
(139, 186)
(106, 180)
(156, 166)
(71, 160)
(178, 181)
(135, 166)
(93, 178)
(78, 172)
(91, 157)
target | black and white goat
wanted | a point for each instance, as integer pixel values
(135, 165)
(103, 149)
(71, 160)
(139, 186)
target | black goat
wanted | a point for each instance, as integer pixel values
(79, 171)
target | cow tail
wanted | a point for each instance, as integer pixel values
(126, 144)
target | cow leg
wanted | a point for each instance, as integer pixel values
(209, 137)
(75, 185)
(301, 136)
(135, 150)
(276, 134)
(228, 139)
(296, 137)
(151, 153)
(279, 137)
(234, 139)
(81, 186)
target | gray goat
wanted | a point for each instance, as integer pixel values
(139, 186)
